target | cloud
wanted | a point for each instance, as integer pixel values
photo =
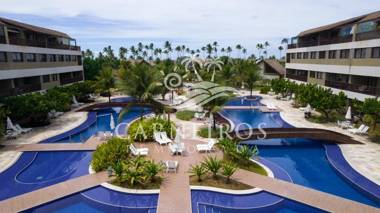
(194, 22)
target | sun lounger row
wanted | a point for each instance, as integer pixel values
(15, 130)
(363, 129)
(161, 138)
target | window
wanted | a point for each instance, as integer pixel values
(43, 57)
(293, 55)
(73, 58)
(360, 53)
(322, 54)
(345, 31)
(55, 77)
(299, 55)
(366, 27)
(67, 58)
(319, 75)
(52, 58)
(312, 74)
(376, 52)
(345, 53)
(313, 55)
(3, 57)
(306, 55)
(30, 57)
(61, 58)
(332, 54)
(17, 57)
(46, 78)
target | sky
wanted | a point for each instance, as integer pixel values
(194, 23)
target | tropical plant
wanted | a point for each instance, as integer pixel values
(213, 165)
(152, 169)
(106, 81)
(214, 64)
(199, 171)
(228, 169)
(111, 153)
(371, 106)
(251, 75)
(191, 63)
(245, 153)
(143, 130)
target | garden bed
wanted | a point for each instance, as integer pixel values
(220, 182)
(185, 115)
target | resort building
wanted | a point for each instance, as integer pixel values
(343, 56)
(271, 69)
(34, 58)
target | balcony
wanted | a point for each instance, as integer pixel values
(368, 35)
(27, 88)
(335, 40)
(2, 40)
(297, 77)
(43, 44)
(71, 80)
(364, 89)
(292, 46)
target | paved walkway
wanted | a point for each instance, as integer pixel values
(308, 196)
(364, 158)
(89, 145)
(50, 193)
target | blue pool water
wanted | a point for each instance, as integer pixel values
(244, 119)
(306, 163)
(99, 200)
(245, 101)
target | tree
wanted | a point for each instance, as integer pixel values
(123, 53)
(191, 63)
(280, 48)
(238, 48)
(106, 81)
(214, 64)
(251, 75)
(371, 106)
(259, 47)
(199, 171)
(228, 169)
(213, 165)
(266, 45)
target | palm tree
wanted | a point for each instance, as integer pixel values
(238, 48)
(123, 53)
(215, 64)
(106, 81)
(284, 41)
(280, 48)
(191, 62)
(215, 48)
(229, 50)
(209, 50)
(178, 49)
(168, 48)
(266, 45)
(244, 51)
(223, 50)
(259, 47)
(251, 75)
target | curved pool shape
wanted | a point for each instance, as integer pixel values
(245, 101)
(305, 161)
(244, 119)
(100, 199)
(50, 166)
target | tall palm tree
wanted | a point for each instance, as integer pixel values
(229, 50)
(168, 48)
(105, 81)
(259, 47)
(223, 50)
(215, 48)
(251, 75)
(280, 48)
(238, 48)
(244, 51)
(266, 45)
(214, 64)
(191, 63)
(123, 53)
(209, 49)
(178, 49)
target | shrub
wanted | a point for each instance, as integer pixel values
(199, 171)
(228, 170)
(3, 115)
(265, 90)
(142, 130)
(185, 115)
(213, 165)
(114, 151)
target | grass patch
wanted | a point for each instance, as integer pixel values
(155, 184)
(249, 166)
(221, 182)
(206, 132)
(185, 115)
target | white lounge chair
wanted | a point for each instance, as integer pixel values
(206, 147)
(171, 166)
(76, 103)
(287, 98)
(271, 107)
(165, 138)
(16, 129)
(23, 130)
(176, 148)
(138, 151)
(357, 130)
(157, 137)
(11, 135)
(344, 124)
(200, 115)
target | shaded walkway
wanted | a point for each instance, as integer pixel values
(51, 193)
(311, 197)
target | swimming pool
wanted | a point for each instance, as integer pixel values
(245, 101)
(306, 163)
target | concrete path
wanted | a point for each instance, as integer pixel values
(50, 193)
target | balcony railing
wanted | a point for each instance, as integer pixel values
(359, 88)
(297, 77)
(292, 46)
(368, 35)
(335, 40)
(71, 80)
(27, 88)
(43, 44)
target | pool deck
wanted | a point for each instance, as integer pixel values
(47, 194)
(89, 145)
